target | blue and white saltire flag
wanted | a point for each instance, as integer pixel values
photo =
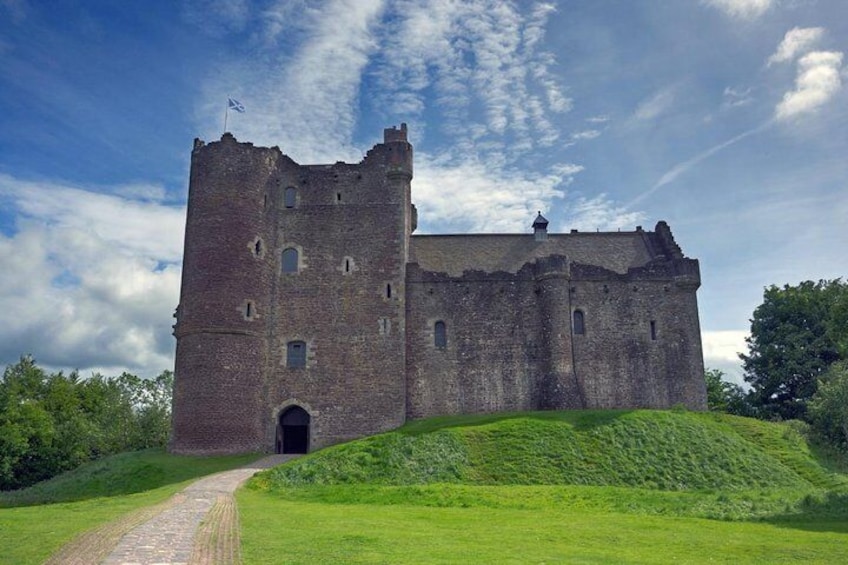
(235, 105)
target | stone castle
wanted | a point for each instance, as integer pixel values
(310, 314)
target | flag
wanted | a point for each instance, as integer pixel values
(235, 105)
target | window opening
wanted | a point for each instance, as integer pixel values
(248, 310)
(290, 260)
(388, 291)
(579, 323)
(296, 355)
(440, 335)
(653, 330)
(257, 247)
(347, 265)
(290, 198)
(338, 197)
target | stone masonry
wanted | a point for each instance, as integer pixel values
(310, 314)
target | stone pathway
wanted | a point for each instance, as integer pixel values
(197, 526)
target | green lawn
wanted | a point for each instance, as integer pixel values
(49, 514)
(276, 530)
(552, 487)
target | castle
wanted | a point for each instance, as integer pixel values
(310, 314)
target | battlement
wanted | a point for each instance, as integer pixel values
(393, 134)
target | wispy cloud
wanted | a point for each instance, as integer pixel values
(735, 97)
(677, 170)
(651, 108)
(817, 82)
(305, 101)
(741, 9)
(482, 61)
(797, 40)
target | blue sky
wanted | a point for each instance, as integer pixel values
(726, 118)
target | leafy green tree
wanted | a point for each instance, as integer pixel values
(792, 343)
(51, 423)
(725, 396)
(829, 406)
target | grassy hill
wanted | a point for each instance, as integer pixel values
(587, 486)
(647, 449)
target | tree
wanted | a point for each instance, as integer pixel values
(724, 396)
(792, 344)
(51, 423)
(829, 406)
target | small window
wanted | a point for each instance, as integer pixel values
(579, 323)
(296, 355)
(290, 198)
(257, 248)
(388, 291)
(440, 335)
(290, 260)
(347, 265)
(248, 310)
(653, 330)
(338, 197)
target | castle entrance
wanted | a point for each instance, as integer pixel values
(293, 431)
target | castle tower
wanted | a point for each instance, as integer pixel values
(228, 268)
(338, 330)
(291, 324)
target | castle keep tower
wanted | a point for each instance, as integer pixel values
(291, 324)
(309, 313)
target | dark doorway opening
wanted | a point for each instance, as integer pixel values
(293, 431)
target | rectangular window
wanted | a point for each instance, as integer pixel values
(653, 330)
(296, 355)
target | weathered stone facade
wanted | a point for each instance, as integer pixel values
(310, 314)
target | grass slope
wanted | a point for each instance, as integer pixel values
(36, 521)
(585, 486)
(644, 449)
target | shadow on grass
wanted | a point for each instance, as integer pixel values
(121, 474)
(827, 513)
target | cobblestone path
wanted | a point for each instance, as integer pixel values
(198, 526)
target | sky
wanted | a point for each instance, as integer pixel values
(726, 118)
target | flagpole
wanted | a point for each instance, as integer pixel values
(226, 114)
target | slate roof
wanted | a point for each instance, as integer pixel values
(453, 254)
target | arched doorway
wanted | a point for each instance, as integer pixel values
(293, 431)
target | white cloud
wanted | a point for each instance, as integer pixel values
(722, 349)
(600, 213)
(468, 195)
(741, 9)
(797, 40)
(818, 81)
(91, 279)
